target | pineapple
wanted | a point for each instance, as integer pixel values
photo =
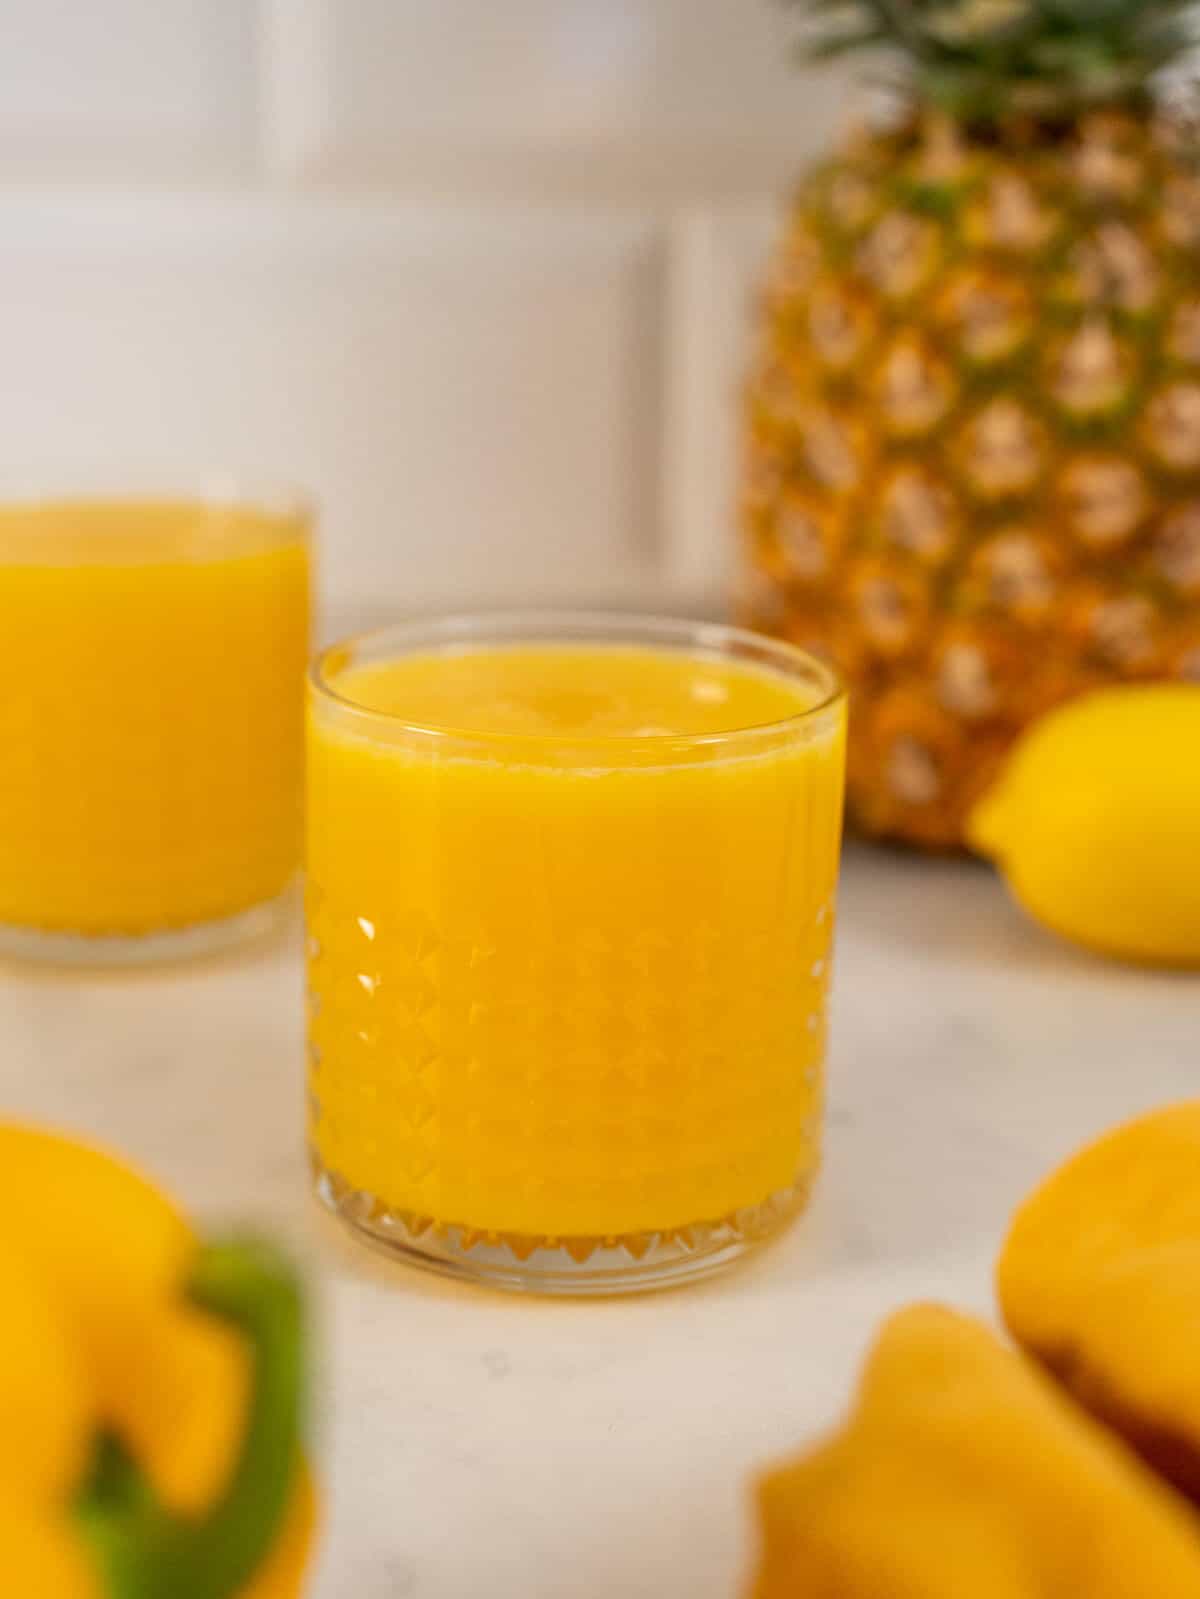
(973, 422)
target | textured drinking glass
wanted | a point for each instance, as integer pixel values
(151, 718)
(568, 963)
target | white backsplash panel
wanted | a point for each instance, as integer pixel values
(477, 274)
(627, 98)
(717, 264)
(472, 401)
(121, 88)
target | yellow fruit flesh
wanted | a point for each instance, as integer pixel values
(577, 988)
(1100, 1278)
(150, 713)
(962, 1470)
(1094, 822)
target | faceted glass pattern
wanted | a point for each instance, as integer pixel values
(567, 1019)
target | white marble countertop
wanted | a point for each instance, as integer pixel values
(480, 1445)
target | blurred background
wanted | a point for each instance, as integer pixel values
(474, 272)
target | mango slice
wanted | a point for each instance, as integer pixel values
(1100, 1280)
(963, 1471)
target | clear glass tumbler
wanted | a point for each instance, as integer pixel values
(151, 716)
(570, 885)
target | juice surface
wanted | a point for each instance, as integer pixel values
(151, 722)
(539, 691)
(560, 988)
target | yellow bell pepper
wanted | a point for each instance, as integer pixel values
(151, 1392)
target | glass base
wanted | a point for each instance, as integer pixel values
(154, 947)
(631, 1263)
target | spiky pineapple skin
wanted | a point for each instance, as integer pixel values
(972, 440)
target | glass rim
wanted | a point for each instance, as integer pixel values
(717, 640)
(216, 486)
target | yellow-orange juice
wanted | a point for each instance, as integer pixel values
(570, 903)
(151, 712)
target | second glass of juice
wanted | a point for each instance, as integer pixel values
(570, 902)
(151, 717)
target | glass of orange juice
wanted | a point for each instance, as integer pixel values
(151, 717)
(570, 886)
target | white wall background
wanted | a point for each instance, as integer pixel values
(475, 271)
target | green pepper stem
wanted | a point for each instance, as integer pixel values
(146, 1551)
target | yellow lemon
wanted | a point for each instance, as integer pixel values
(1095, 822)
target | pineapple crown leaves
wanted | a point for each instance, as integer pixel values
(979, 59)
